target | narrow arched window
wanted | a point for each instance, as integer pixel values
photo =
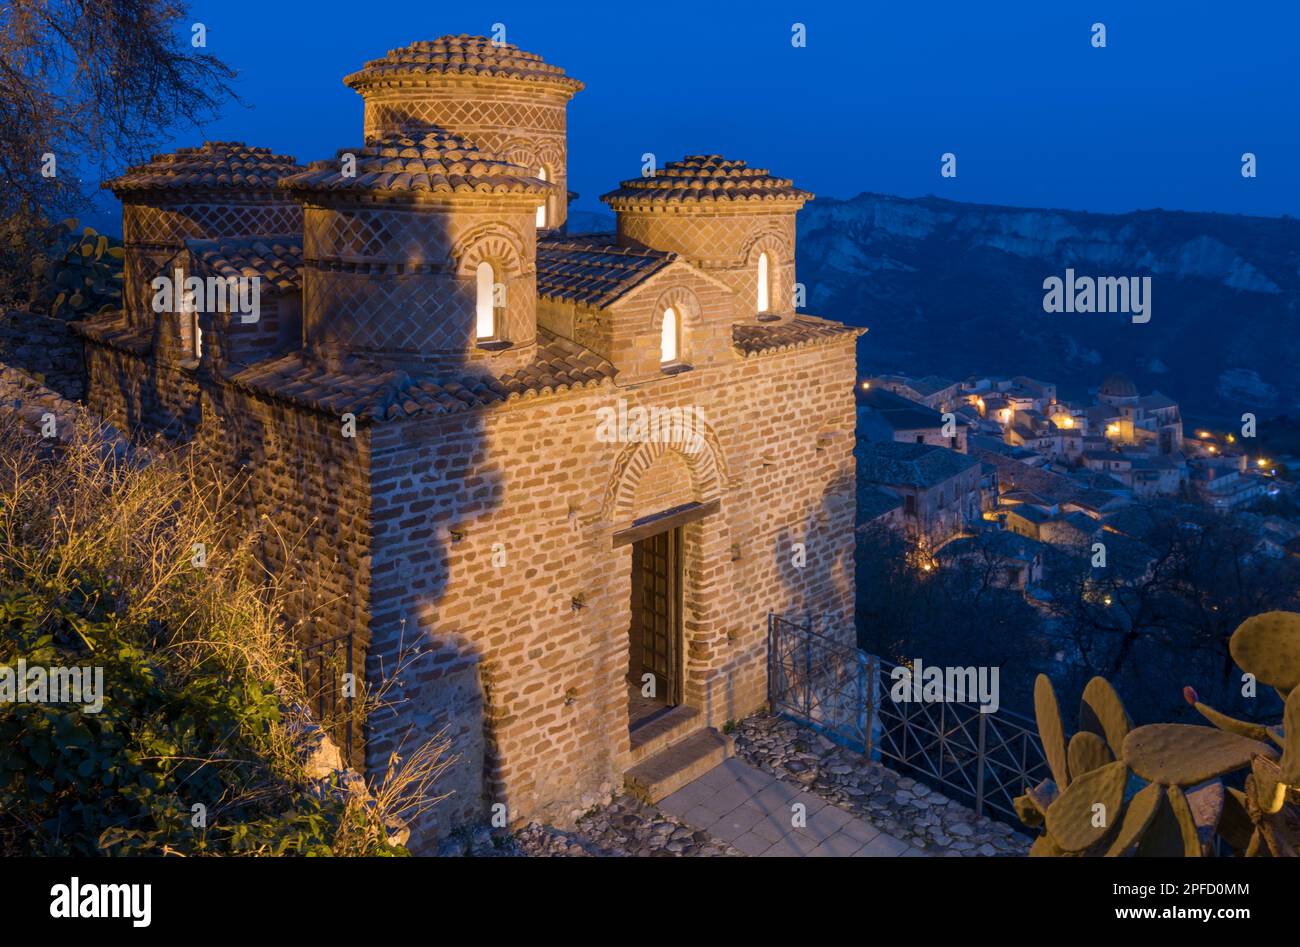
(485, 283)
(668, 337)
(764, 299)
(541, 208)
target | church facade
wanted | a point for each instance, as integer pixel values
(546, 487)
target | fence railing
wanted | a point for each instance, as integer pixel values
(982, 759)
(329, 683)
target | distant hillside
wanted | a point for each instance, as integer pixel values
(953, 288)
(590, 221)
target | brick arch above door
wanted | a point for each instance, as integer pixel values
(701, 455)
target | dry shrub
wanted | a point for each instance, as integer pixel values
(151, 543)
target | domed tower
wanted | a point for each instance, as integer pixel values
(420, 252)
(736, 222)
(221, 189)
(507, 101)
(1118, 391)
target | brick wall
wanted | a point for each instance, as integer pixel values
(487, 527)
(399, 283)
(139, 394)
(726, 244)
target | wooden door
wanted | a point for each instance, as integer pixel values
(656, 613)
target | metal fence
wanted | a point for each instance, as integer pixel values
(323, 667)
(981, 759)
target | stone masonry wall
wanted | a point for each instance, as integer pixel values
(45, 348)
(133, 392)
(293, 466)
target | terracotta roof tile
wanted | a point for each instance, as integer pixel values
(593, 270)
(891, 463)
(751, 338)
(114, 332)
(460, 56)
(390, 394)
(703, 178)
(275, 258)
(430, 159)
(215, 164)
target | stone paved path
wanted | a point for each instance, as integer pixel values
(897, 805)
(754, 812)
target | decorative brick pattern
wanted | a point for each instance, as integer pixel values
(398, 283)
(153, 233)
(726, 245)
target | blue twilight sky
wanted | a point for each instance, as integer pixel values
(1035, 114)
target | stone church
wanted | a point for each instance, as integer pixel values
(546, 486)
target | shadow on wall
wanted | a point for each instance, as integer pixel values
(818, 579)
(435, 574)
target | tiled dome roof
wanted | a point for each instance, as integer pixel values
(460, 56)
(698, 178)
(430, 159)
(215, 164)
(1117, 385)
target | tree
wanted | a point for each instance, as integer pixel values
(87, 86)
(1160, 613)
(948, 609)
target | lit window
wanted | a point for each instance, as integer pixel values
(668, 337)
(763, 301)
(191, 330)
(485, 285)
(541, 208)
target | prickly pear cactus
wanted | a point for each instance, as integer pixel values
(79, 274)
(1158, 790)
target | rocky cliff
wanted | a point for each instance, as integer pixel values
(956, 288)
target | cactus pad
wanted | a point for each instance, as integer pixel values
(1102, 712)
(1290, 763)
(1087, 752)
(1141, 810)
(1050, 730)
(1268, 646)
(1044, 847)
(1231, 724)
(1235, 826)
(1162, 837)
(1182, 755)
(1070, 818)
(1186, 823)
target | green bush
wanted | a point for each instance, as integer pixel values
(96, 571)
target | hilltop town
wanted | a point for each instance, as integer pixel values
(1006, 459)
